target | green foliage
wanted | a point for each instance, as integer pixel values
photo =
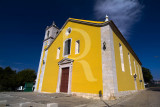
(147, 75)
(26, 75)
(10, 80)
(7, 79)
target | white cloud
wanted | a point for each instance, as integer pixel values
(124, 13)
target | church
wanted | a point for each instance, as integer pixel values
(89, 59)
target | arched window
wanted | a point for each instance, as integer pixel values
(130, 63)
(48, 34)
(121, 56)
(135, 67)
(58, 52)
(77, 46)
(67, 47)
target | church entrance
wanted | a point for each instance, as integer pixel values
(65, 76)
(64, 80)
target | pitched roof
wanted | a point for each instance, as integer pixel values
(101, 24)
(87, 20)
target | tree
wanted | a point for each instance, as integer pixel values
(1, 75)
(147, 75)
(10, 80)
(26, 75)
(7, 79)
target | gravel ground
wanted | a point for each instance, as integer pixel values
(147, 98)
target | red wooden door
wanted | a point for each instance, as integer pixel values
(64, 80)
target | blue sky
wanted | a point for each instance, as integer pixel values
(23, 23)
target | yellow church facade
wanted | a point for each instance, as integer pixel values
(88, 58)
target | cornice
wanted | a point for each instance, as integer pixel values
(114, 28)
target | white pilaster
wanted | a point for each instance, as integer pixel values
(110, 86)
(42, 71)
(40, 62)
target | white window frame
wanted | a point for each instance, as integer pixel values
(138, 71)
(64, 47)
(130, 63)
(58, 52)
(48, 33)
(77, 46)
(67, 31)
(121, 57)
(135, 67)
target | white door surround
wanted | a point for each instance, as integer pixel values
(64, 63)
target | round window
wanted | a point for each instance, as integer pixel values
(68, 31)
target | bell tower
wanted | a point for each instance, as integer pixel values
(50, 34)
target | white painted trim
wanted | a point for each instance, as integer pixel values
(121, 57)
(58, 52)
(130, 66)
(40, 62)
(138, 72)
(69, 65)
(77, 47)
(67, 33)
(59, 80)
(42, 72)
(70, 79)
(64, 47)
(135, 67)
(109, 74)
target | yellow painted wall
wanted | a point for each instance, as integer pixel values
(124, 79)
(87, 65)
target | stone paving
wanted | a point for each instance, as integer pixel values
(147, 98)
(32, 99)
(14, 99)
